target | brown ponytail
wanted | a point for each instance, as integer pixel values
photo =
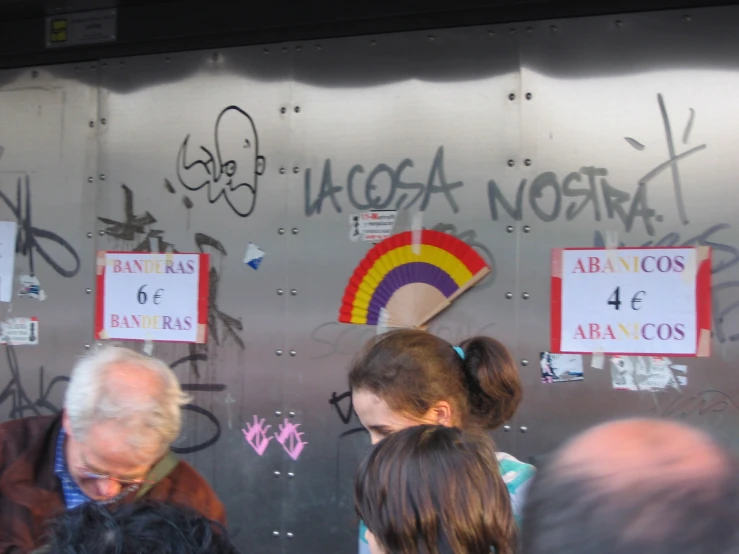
(412, 370)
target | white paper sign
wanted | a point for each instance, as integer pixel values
(152, 297)
(632, 301)
(373, 226)
(19, 331)
(7, 259)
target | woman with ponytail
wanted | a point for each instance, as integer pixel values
(409, 377)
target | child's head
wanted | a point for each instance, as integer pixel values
(436, 490)
(407, 377)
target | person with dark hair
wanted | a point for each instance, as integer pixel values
(434, 490)
(146, 527)
(409, 377)
(635, 486)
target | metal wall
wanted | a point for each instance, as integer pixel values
(518, 139)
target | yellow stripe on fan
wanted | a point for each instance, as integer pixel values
(402, 255)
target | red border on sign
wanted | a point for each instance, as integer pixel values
(203, 292)
(702, 299)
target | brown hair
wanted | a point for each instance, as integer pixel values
(412, 370)
(435, 490)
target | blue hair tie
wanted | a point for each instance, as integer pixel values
(459, 351)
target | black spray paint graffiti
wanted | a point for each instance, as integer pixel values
(345, 413)
(381, 178)
(135, 225)
(23, 403)
(199, 387)
(706, 402)
(627, 207)
(232, 169)
(29, 237)
(725, 257)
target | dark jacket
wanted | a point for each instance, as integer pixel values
(31, 494)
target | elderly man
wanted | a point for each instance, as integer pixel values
(638, 486)
(111, 444)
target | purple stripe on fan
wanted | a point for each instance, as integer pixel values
(414, 272)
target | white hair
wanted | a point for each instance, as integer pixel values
(90, 399)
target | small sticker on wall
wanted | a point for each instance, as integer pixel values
(19, 331)
(31, 288)
(254, 256)
(373, 226)
(645, 373)
(560, 368)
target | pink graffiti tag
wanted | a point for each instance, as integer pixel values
(290, 439)
(256, 435)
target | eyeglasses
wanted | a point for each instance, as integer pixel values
(124, 483)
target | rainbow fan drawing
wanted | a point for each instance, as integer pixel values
(409, 278)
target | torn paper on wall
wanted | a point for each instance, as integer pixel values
(254, 256)
(19, 331)
(31, 288)
(7, 259)
(560, 368)
(373, 226)
(647, 373)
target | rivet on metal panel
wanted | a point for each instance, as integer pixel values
(553, 28)
(77, 68)
(265, 51)
(88, 290)
(511, 163)
(282, 171)
(278, 352)
(526, 229)
(430, 38)
(524, 363)
(618, 23)
(513, 30)
(509, 228)
(491, 33)
(275, 533)
(280, 231)
(289, 535)
(293, 353)
(318, 46)
(34, 73)
(277, 473)
(280, 292)
(87, 347)
(101, 233)
(284, 49)
(297, 109)
(167, 59)
(296, 169)
(506, 428)
(102, 176)
(104, 64)
(299, 48)
(103, 121)
(373, 42)
(294, 292)
(215, 56)
(89, 235)
(524, 428)
(290, 475)
(511, 97)
(278, 413)
(291, 414)
(525, 296)
(687, 18)
(295, 230)
(527, 162)
(122, 64)
(529, 30)
(283, 110)
(509, 295)
(529, 96)
(90, 179)
(92, 124)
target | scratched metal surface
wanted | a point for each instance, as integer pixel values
(568, 116)
(47, 158)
